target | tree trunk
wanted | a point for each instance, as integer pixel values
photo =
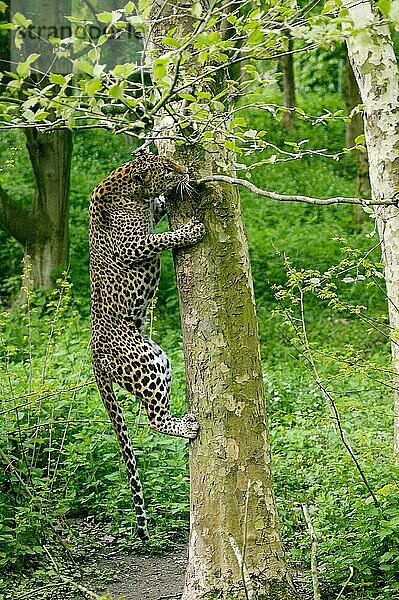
(355, 128)
(235, 548)
(43, 230)
(287, 65)
(48, 252)
(374, 63)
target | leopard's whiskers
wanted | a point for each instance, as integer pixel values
(189, 189)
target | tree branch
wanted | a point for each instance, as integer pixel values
(15, 221)
(313, 555)
(296, 198)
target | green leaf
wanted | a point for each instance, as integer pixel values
(116, 91)
(188, 97)
(20, 20)
(94, 54)
(124, 70)
(85, 66)
(145, 7)
(105, 17)
(129, 7)
(360, 139)
(230, 145)
(239, 122)
(71, 120)
(3, 7)
(29, 115)
(384, 6)
(23, 69)
(160, 67)
(203, 57)
(196, 9)
(57, 78)
(41, 115)
(329, 5)
(14, 84)
(218, 106)
(103, 38)
(169, 41)
(256, 37)
(93, 86)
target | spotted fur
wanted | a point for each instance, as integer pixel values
(124, 274)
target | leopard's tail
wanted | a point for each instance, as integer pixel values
(119, 424)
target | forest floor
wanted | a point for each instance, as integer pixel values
(115, 572)
(140, 577)
(109, 567)
(127, 576)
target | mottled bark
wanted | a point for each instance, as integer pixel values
(233, 511)
(375, 67)
(48, 249)
(235, 547)
(355, 128)
(43, 230)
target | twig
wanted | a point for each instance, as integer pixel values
(80, 587)
(331, 403)
(34, 593)
(47, 394)
(26, 488)
(351, 572)
(240, 556)
(297, 198)
(313, 554)
(245, 575)
(249, 591)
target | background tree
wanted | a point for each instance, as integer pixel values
(369, 43)
(354, 131)
(42, 229)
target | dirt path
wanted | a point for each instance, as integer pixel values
(140, 577)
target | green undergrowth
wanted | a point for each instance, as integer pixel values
(326, 368)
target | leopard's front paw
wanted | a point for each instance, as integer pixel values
(197, 230)
(189, 426)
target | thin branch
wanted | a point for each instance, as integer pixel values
(88, 593)
(35, 592)
(331, 403)
(297, 198)
(313, 554)
(91, 8)
(351, 572)
(248, 588)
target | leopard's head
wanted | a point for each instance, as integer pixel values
(146, 177)
(152, 175)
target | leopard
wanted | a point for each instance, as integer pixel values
(124, 269)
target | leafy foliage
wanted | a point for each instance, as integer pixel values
(64, 465)
(60, 457)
